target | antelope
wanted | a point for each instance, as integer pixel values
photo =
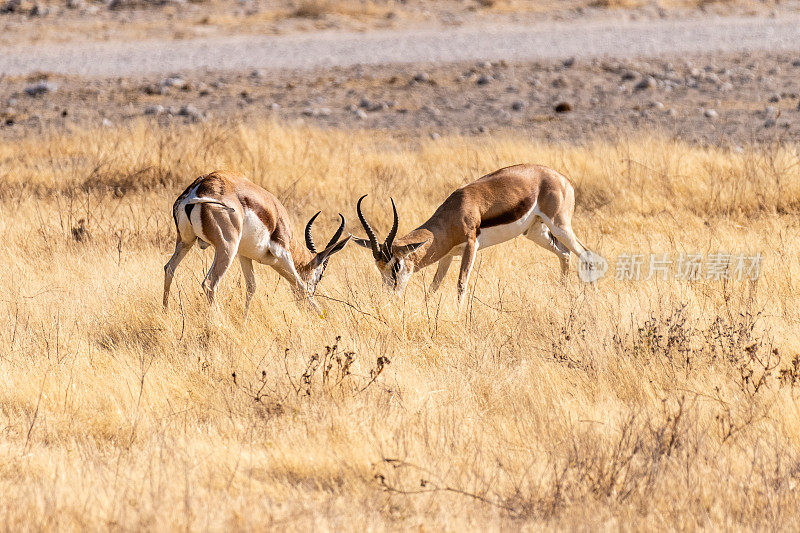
(529, 200)
(238, 218)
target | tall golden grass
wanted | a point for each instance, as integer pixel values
(650, 404)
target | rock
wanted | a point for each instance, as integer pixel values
(647, 83)
(39, 10)
(770, 122)
(672, 113)
(154, 110)
(658, 105)
(486, 64)
(695, 72)
(569, 62)
(562, 107)
(559, 83)
(76, 4)
(775, 98)
(628, 75)
(107, 123)
(483, 80)
(771, 112)
(40, 88)
(710, 113)
(324, 112)
(518, 105)
(422, 77)
(366, 103)
(435, 136)
(190, 111)
(725, 87)
(361, 114)
(178, 83)
(796, 63)
(432, 110)
(275, 106)
(12, 6)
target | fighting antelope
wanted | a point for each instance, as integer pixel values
(529, 200)
(238, 218)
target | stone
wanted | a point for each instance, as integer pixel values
(190, 111)
(518, 105)
(710, 113)
(775, 98)
(484, 80)
(647, 83)
(422, 77)
(562, 107)
(40, 88)
(154, 110)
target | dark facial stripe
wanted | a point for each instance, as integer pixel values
(509, 216)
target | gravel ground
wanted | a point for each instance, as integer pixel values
(726, 99)
(550, 40)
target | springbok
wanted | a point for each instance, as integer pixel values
(238, 218)
(529, 200)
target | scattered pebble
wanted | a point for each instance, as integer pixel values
(518, 105)
(40, 88)
(154, 110)
(175, 81)
(361, 114)
(422, 77)
(483, 80)
(190, 111)
(562, 107)
(647, 83)
(569, 62)
(711, 113)
(775, 98)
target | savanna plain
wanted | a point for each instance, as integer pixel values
(642, 404)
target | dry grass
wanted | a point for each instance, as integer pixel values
(658, 404)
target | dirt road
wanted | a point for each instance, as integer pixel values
(542, 41)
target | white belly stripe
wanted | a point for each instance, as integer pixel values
(503, 232)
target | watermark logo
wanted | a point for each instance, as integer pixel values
(716, 266)
(592, 266)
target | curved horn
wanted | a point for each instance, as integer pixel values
(338, 233)
(309, 239)
(387, 244)
(373, 240)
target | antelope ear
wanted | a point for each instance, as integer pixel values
(406, 249)
(361, 242)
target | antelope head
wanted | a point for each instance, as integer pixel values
(392, 260)
(312, 272)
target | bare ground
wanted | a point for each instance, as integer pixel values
(718, 99)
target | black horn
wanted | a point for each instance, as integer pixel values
(387, 244)
(338, 233)
(373, 240)
(309, 239)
